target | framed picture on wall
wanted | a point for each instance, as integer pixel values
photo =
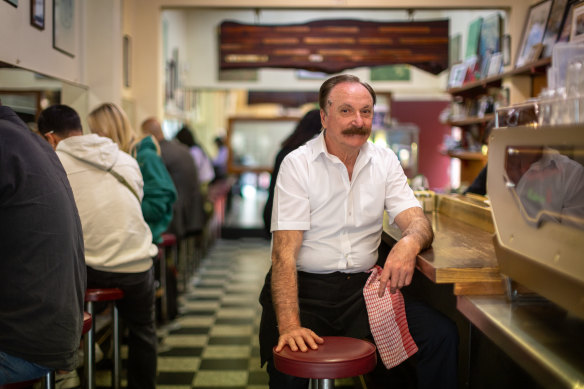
(577, 31)
(553, 27)
(37, 14)
(457, 74)
(64, 37)
(127, 56)
(506, 49)
(537, 18)
(13, 2)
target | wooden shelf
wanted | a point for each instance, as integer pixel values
(537, 67)
(477, 86)
(472, 120)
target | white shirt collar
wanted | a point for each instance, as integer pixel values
(317, 147)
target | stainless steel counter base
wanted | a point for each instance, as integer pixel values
(546, 341)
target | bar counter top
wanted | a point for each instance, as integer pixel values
(462, 252)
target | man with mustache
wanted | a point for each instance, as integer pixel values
(327, 221)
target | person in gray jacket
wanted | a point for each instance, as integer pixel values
(42, 273)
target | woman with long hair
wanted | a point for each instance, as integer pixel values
(111, 121)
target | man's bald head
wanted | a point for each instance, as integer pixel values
(151, 126)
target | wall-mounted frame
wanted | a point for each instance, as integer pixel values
(577, 31)
(12, 2)
(37, 14)
(554, 26)
(64, 37)
(506, 49)
(533, 31)
(457, 75)
(127, 44)
(254, 142)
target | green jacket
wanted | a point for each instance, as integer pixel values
(159, 190)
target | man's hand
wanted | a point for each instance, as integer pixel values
(298, 338)
(399, 266)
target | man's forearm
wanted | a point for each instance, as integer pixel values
(284, 279)
(416, 226)
(285, 295)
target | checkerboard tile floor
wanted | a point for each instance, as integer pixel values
(213, 343)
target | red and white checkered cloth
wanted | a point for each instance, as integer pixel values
(387, 319)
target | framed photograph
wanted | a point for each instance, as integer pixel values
(495, 64)
(490, 38)
(13, 2)
(534, 30)
(64, 37)
(566, 29)
(454, 49)
(127, 55)
(506, 49)
(484, 66)
(37, 13)
(553, 27)
(457, 75)
(577, 31)
(472, 42)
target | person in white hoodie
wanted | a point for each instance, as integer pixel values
(108, 188)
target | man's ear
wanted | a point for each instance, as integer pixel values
(52, 138)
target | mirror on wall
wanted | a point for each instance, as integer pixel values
(29, 92)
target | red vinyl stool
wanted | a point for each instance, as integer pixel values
(337, 357)
(168, 245)
(91, 296)
(49, 378)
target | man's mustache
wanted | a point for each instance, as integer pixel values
(355, 131)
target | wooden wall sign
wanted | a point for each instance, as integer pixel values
(332, 46)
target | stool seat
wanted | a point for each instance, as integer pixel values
(103, 294)
(92, 296)
(337, 357)
(167, 240)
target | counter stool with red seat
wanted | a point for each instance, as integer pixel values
(337, 357)
(49, 378)
(168, 248)
(107, 295)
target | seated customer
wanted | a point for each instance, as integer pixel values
(107, 186)
(42, 273)
(188, 208)
(111, 121)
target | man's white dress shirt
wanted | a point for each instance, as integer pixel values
(342, 219)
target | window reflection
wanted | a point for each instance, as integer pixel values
(548, 183)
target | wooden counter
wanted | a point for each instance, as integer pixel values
(462, 252)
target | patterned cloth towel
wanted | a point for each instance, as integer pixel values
(387, 319)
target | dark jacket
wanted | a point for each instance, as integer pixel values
(42, 266)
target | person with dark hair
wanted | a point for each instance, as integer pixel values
(220, 160)
(204, 165)
(306, 129)
(42, 269)
(108, 189)
(329, 201)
